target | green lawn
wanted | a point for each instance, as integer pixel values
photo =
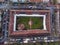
(37, 22)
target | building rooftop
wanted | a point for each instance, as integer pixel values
(2, 0)
(29, 32)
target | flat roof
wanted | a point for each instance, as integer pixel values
(2, 0)
(29, 32)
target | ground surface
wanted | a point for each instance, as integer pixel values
(44, 43)
(37, 22)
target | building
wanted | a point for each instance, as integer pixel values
(30, 20)
(46, 28)
(29, 9)
(2, 0)
(0, 23)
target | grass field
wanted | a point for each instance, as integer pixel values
(37, 22)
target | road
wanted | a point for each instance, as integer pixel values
(4, 27)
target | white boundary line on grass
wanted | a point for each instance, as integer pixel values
(32, 15)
